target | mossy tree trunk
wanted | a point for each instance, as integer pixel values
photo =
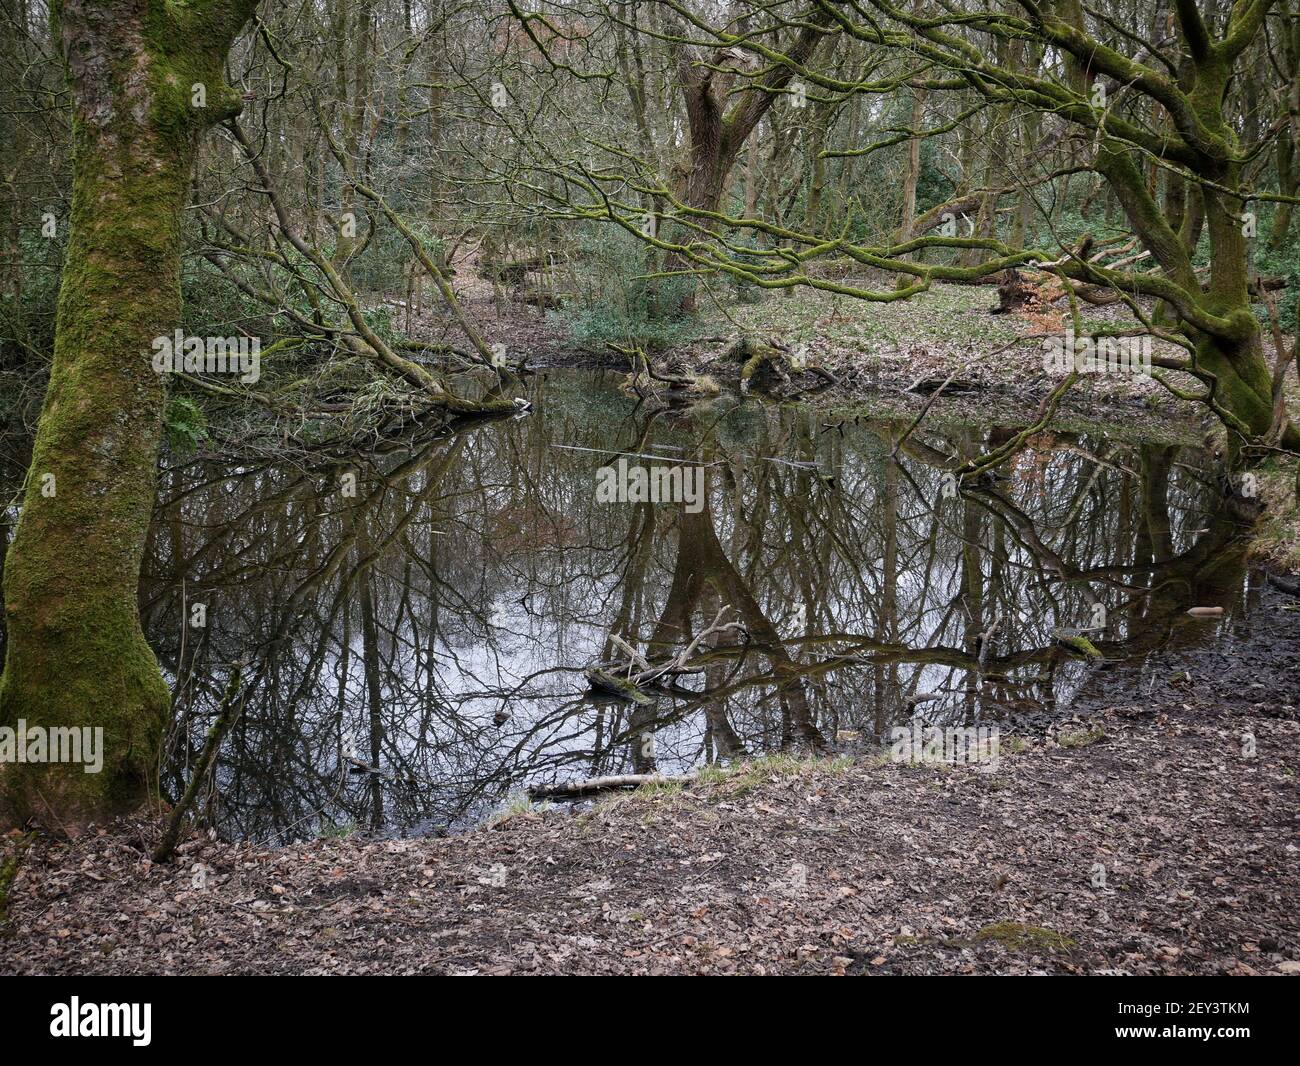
(145, 78)
(1228, 353)
(1215, 317)
(1199, 140)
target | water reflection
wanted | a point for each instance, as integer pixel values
(428, 610)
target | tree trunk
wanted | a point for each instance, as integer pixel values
(354, 100)
(76, 654)
(912, 176)
(1288, 180)
(719, 128)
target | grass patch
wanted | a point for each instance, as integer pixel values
(517, 806)
(734, 780)
(712, 774)
(657, 789)
(748, 775)
(1013, 936)
(1081, 738)
(650, 792)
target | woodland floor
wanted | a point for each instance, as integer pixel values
(844, 866)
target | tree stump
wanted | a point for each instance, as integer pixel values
(1013, 293)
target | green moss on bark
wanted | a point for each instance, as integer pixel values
(76, 653)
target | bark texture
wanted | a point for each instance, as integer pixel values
(145, 79)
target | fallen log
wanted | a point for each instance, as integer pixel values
(769, 366)
(1078, 644)
(1257, 285)
(638, 674)
(543, 298)
(620, 687)
(933, 384)
(514, 272)
(574, 790)
(1284, 584)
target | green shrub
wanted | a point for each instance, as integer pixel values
(381, 268)
(1283, 263)
(618, 303)
(186, 425)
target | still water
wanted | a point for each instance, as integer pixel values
(428, 609)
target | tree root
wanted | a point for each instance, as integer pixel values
(769, 366)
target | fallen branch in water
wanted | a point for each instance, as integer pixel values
(619, 687)
(572, 790)
(628, 679)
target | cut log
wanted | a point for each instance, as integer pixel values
(574, 790)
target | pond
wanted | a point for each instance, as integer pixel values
(428, 610)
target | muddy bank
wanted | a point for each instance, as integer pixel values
(868, 348)
(1246, 660)
(1147, 840)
